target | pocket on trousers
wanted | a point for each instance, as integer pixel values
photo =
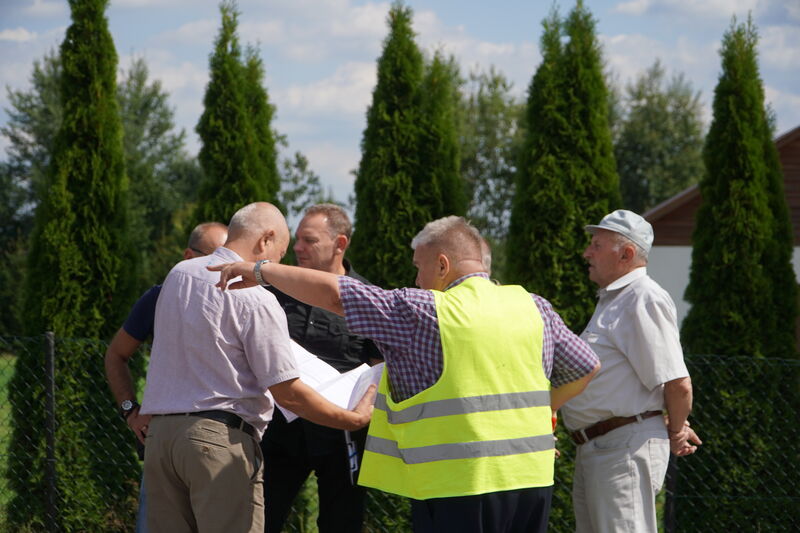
(612, 441)
(206, 434)
(659, 460)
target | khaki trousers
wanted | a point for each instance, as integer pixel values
(617, 477)
(202, 476)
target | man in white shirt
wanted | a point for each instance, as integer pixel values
(623, 440)
(218, 359)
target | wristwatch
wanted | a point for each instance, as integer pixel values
(257, 272)
(127, 407)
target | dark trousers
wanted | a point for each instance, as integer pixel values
(288, 463)
(513, 511)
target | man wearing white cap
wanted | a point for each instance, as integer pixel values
(623, 440)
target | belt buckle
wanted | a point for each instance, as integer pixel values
(583, 435)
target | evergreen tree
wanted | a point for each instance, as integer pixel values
(743, 293)
(78, 264)
(778, 254)
(229, 156)
(261, 112)
(566, 177)
(408, 174)
(729, 288)
(438, 184)
(659, 146)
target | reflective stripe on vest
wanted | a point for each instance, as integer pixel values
(460, 450)
(462, 406)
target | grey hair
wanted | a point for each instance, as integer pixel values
(638, 252)
(253, 219)
(338, 221)
(453, 236)
(436, 230)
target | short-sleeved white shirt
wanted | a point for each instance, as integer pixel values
(215, 349)
(634, 332)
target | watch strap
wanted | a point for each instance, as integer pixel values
(257, 272)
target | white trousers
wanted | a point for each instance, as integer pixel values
(617, 477)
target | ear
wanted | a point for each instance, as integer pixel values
(340, 244)
(628, 253)
(442, 265)
(265, 241)
(187, 253)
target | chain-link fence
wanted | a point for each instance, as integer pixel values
(68, 462)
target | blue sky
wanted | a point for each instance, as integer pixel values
(320, 55)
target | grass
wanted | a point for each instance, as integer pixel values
(7, 362)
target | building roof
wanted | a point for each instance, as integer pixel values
(673, 219)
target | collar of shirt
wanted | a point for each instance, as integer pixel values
(463, 278)
(624, 281)
(227, 254)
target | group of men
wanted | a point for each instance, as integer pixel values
(462, 418)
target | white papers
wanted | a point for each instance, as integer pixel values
(326, 380)
(372, 375)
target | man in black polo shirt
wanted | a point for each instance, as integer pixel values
(293, 450)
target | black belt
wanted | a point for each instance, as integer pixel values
(229, 419)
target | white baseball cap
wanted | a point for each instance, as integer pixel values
(629, 224)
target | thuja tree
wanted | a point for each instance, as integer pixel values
(387, 215)
(742, 291)
(230, 151)
(438, 184)
(260, 112)
(78, 268)
(566, 177)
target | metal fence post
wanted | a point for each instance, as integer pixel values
(50, 431)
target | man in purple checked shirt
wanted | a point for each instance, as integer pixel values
(462, 419)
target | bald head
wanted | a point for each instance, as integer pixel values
(205, 238)
(258, 231)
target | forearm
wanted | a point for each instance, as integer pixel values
(310, 286)
(118, 374)
(305, 402)
(678, 400)
(561, 395)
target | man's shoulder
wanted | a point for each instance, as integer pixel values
(646, 290)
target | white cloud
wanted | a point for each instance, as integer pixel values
(346, 92)
(267, 32)
(780, 47)
(43, 8)
(786, 106)
(197, 32)
(634, 7)
(333, 162)
(366, 20)
(705, 8)
(136, 4)
(19, 35)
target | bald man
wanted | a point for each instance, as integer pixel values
(138, 327)
(462, 422)
(218, 364)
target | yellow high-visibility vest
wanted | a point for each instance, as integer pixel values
(485, 425)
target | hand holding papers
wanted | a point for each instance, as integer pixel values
(326, 380)
(367, 377)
